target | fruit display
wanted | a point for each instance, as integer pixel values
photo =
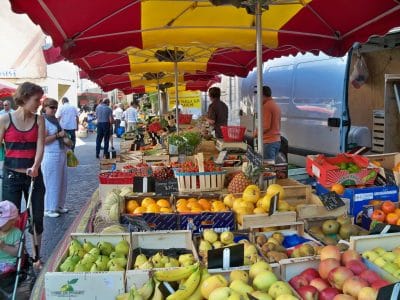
(88, 257)
(331, 231)
(386, 260)
(194, 283)
(386, 212)
(241, 180)
(212, 240)
(162, 259)
(273, 249)
(193, 167)
(148, 205)
(111, 205)
(194, 205)
(339, 276)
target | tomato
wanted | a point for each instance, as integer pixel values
(388, 207)
(392, 218)
(378, 215)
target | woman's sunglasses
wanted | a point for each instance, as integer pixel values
(52, 107)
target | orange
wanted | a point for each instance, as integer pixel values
(192, 203)
(183, 208)
(195, 205)
(337, 188)
(217, 203)
(163, 203)
(147, 201)
(388, 207)
(392, 218)
(376, 163)
(140, 210)
(192, 200)
(205, 204)
(397, 167)
(397, 211)
(165, 210)
(153, 208)
(378, 215)
(181, 201)
(196, 210)
(398, 222)
(131, 205)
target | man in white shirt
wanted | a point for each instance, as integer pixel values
(6, 108)
(68, 117)
(117, 114)
(130, 117)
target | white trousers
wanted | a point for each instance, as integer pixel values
(54, 169)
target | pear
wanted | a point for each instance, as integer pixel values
(278, 236)
(87, 246)
(342, 220)
(140, 260)
(75, 258)
(306, 250)
(89, 258)
(173, 262)
(241, 287)
(68, 265)
(204, 247)
(261, 240)
(249, 250)
(105, 248)
(122, 247)
(122, 261)
(217, 245)
(94, 268)
(227, 237)
(210, 235)
(186, 259)
(116, 255)
(115, 267)
(102, 262)
(145, 266)
(82, 267)
(95, 252)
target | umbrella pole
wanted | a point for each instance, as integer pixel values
(259, 78)
(159, 97)
(176, 96)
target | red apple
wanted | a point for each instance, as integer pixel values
(298, 281)
(379, 284)
(367, 293)
(330, 251)
(338, 276)
(308, 292)
(370, 276)
(309, 274)
(356, 266)
(350, 255)
(319, 283)
(328, 294)
(353, 285)
(325, 266)
(344, 297)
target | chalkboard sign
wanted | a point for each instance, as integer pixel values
(254, 158)
(331, 200)
(234, 257)
(166, 187)
(273, 206)
(389, 175)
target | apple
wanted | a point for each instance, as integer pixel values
(370, 255)
(297, 282)
(356, 266)
(370, 276)
(239, 275)
(326, 265)
(223, 293)
(350, 255)
(258, 267)
(330, 251)
(353, 285)
(343, 297)
(212, 283)
(309, 274)
(308, 292)
(328, 294)
(319, 284)
(379, 284)
(338, 276)
(367, 293)
(264, 280)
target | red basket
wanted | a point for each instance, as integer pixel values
(154, 127)
(116, 178)
(233, 133)
(184, 118)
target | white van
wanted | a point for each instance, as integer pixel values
(321, 111)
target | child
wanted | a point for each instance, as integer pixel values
(9, 236)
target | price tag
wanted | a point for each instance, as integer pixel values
(389, 175)
(273, 206)
(254, 157)
(228, 256)
(166, 187)
(221, 157)
(331, 200)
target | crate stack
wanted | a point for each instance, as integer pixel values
(378, 131)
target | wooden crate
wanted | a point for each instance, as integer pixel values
(163, 158)
(292, 267)
(263, 220)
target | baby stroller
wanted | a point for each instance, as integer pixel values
(24, 272)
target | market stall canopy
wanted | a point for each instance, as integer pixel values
(7, 89)
(81, 27)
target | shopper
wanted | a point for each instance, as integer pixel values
(54, 164)
(217, 115)
(104, 122)
(6, 108)
(117, 114)
(23, 134)
(130, 117)
(271, 125)
(68, 116)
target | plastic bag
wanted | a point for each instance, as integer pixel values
(360, 73)
(72, 161)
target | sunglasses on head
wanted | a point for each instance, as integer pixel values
(52, 107)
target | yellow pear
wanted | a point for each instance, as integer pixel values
(283, 206)
(229, 200)
(246, 204)
(266, 201)
(251, 193)
(259, 210)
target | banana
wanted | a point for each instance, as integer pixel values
(157, 292)
(188, 288)
(176, 274)
(197, 293)
(147, 289)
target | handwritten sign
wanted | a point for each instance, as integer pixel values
(331, 200)
(166, 187)
(254, 158)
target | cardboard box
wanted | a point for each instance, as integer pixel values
(327, 172)
(387, 161)
(359, 197)
(62, 285)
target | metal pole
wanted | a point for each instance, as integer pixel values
(176, 96)
(159, 96)
(259, 78)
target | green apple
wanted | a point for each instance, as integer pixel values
(239, 275)
(258, 267)
(389, 256)
(264, 280)
(279, 288)
(370, 255)
(380, 262)
(224, 293)
(261, 296)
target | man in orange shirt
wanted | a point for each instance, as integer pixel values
(271, 125)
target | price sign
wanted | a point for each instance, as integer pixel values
(226, 257)
(331, 200)
(273, 207)
(254, 157)
(389, 175)
(166, 187)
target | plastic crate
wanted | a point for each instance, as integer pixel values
(154, 127)
(233, 133)
(184, 118)
(116, 178)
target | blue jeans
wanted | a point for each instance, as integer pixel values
(103, 132)
(271, 150)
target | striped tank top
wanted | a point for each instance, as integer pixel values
(20, 146)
